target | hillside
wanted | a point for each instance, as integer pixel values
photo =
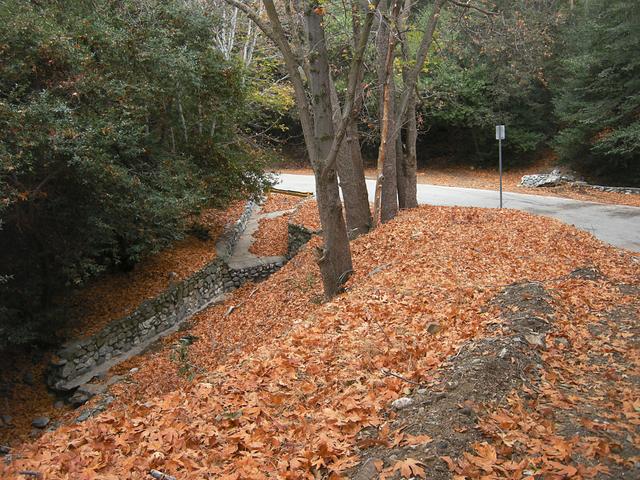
(512, 338)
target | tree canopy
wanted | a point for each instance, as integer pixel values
(597, 98)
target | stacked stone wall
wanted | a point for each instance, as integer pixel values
(76, 360)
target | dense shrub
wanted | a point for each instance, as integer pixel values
(117, 120)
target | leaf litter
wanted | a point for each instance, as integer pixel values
(106, 298)
(284, 386)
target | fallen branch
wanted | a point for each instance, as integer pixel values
(161, 476)
(234, 307)
(30, 473)
(475, 7)
(392, 374)
(294, 193)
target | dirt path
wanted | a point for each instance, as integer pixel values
(527, 400)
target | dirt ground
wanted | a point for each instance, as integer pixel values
(488, 179)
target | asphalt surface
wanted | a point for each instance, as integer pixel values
(618, 225)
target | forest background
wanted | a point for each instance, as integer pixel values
(121, 120)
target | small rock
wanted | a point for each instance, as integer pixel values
(452, 386)
(59, 404)
(438, 395)
(92, 389)
(537, 340)
(134, 370)
(78, 399)
(422, 391)
(561, 341)
(40, 422)
(114, 379)
(466, 411)
(368, 470)
(6, 420)
(28, 379)
(433, 328)
(84, 416)
(58, 362)
(503, 353)
(442, 445)
(401, 403)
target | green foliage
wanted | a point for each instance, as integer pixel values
(180, 356)
(117, 120)
(486, 71)
(598, 97)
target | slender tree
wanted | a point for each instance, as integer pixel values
(386, 197)
(396, 180)
(323, 136)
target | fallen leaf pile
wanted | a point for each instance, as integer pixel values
(276, 202)
(306, 214)
(281, 385)
(272, 238)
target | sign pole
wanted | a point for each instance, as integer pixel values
(500, 135)
(500, 163)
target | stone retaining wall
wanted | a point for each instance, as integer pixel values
(153, 316)
(298, 237)
(78, 359)
(231, 236)
(603, 188)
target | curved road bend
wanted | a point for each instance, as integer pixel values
(618, 225)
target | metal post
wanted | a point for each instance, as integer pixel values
(500, 135)
(500, 163)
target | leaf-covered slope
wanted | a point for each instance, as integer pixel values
(283, 384)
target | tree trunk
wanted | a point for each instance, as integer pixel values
(401, 171)
(386, 200)
(323, 143)
(411, 157)
(334, 258)
(351, 175)
(407, 157)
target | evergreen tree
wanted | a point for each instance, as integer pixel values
(598, 98)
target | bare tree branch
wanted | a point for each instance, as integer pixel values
(352, 86)
(474, 7)
(255, 18)
(421, 56)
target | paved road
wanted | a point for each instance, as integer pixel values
(618, 225)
